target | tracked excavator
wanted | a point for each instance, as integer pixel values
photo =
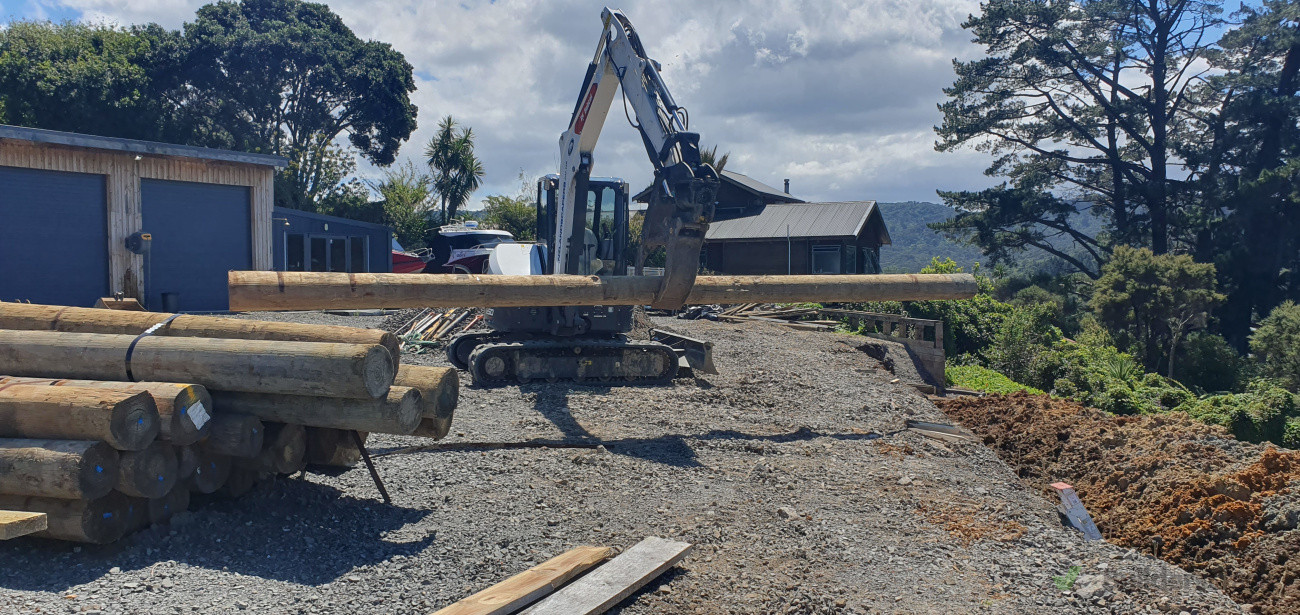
(583, 229)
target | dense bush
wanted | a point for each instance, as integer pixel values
(977, 378)
(1022, 342)
(1264, 412)
(1276, 345)
(1209, 364)
(1105, 378)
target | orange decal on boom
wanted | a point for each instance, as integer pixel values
(586, 107)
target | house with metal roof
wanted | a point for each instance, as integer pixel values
(86, 216)
(739, 195)
(798, 238)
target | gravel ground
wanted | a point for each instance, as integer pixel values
(791, 470)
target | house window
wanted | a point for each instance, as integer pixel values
(870, 260)
(825, 259)
(850, 260)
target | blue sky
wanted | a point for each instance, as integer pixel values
(837, 95)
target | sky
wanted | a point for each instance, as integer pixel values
(839, 96)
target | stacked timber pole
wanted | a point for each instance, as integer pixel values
(110, 420)
(296, 290)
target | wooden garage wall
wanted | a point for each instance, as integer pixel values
(124, 173)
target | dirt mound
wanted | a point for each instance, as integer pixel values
(1164, 484)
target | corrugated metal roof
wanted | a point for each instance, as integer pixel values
(758, 187)
(844, 219)
(55, 137)
(744, 182)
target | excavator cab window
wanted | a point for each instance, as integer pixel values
(605, 222)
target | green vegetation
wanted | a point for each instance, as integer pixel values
(1277, 345)
(1172, 127)
(1264, 412)
(978, 378)
(457, 171)
(1028, 342)
(513, 214)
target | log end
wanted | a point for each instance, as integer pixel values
(148, 473)
(377, 370)
(211, 472)
(135, 423)
(191, 421)
(290, 449)
(102, 520)
(408, 405)
(98, 472)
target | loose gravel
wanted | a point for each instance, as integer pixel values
(792, 471)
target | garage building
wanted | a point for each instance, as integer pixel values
(69, 202)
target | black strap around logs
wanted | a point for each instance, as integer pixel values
(147, 332)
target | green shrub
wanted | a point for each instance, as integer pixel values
(1021, 342)
(1265, 412)
(977, 378)
(1208, 363)
(1276, 345)
(1105, 378)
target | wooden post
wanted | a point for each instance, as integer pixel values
(68, 469)
(101, 521)
(126, 420)
(299, 368)
(88, 320)
(184, 409)
(332, 447)
(175, 502)
(241, 481)
(235, 435)
(284, 450)
(295, 290)
(149, 473)
(187, 460)
(439, 393)
(399, 413)
(211, 471)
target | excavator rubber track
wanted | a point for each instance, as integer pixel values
(604, 362)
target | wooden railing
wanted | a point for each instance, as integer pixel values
(922, 337)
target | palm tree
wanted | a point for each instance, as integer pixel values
(457, 172)
(710, 157)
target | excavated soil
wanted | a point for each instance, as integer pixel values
(1167, 485)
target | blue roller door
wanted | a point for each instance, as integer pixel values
(53, 238)
(200, 231)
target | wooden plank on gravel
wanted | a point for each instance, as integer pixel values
(14, 523)
(526, 587)
(610, 584)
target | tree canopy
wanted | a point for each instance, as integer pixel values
(457, 171)
(1133, 112)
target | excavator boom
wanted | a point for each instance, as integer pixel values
(685, 188)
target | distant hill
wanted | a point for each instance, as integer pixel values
(914, 243)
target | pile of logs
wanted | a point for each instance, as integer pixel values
(792, 317)
(431, 326)
(105, 428)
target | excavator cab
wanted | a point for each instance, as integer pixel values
(605, 219)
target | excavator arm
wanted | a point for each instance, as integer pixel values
(685, 188)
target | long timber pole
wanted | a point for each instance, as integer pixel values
(252, 291)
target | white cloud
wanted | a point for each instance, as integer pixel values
(837, 95)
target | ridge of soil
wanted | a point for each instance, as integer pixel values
(1164, 484)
